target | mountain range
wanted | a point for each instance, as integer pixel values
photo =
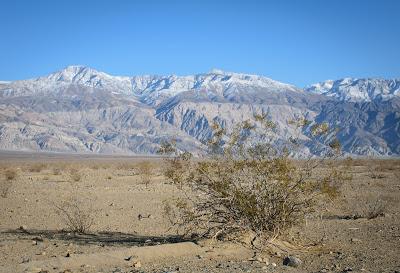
(80, 109)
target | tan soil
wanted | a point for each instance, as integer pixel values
(331, 240)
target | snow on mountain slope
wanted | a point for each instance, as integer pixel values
(80, 109)
(153, 89)
(350, 89)
(91, 77)
(57, 81)
(150, 89)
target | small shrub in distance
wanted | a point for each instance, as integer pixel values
(376, 209)
(56, 171)
(176, 165)
(6, 182)
(371, 209)
(5, 186)
(75, 175)
(375, 169)
(10, 174)
(145, 171)
(37, 167)
(79, 216)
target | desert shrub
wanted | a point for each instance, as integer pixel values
(75, 175)
(376, 209)
(37, 167)
(371, 208)
(5, 186)
(78, 215)
(124, 166)
(145, 170)
(10, 174)
(56, 171)
(176, 166)
(376, 169)
(7, 181)
(250, 186)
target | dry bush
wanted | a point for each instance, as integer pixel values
(177, 166)
(376, 209)
(37, 167)
(371, 209)
(6, 183)
(247, 186)
(376, 168)
(56, 171)
(376, 172)
(78, 215)
(94, 166)
(125, 166)
(5, 186)
(145, 170)
(75, 175)
(10, 174)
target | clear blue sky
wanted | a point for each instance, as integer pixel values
(298, 41)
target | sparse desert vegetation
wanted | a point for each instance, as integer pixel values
(145, 171)
(59, 218)
(6, 183)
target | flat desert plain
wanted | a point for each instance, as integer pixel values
(129, 232)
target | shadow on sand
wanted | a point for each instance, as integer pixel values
(98, 238)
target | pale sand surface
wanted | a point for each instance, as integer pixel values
(112, 186)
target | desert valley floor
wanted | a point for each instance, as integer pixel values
(130, 233)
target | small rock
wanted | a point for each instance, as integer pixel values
(273, 264)
(128, 258)
(25, 260)
(347, 269)
(38, 239)
(292, 261)
(23, 227)
(34, 243)
(34, 270)
(137, 264)
(355, 240)
(68, 255)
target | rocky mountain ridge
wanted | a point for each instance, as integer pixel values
(80, 109)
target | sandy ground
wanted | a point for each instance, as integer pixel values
(130, 233)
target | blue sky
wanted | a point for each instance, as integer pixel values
(298, 41)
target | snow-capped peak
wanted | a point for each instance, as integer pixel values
(83, 75)
(353, 89)
(217, 71)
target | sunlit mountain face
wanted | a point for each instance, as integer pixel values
(80, 109)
